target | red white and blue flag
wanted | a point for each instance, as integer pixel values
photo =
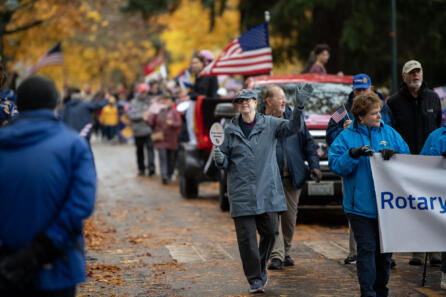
(53, 57)
(247, 55)
(339, 114)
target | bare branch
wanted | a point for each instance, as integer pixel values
(24, 27)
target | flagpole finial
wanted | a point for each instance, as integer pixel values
(267, 16)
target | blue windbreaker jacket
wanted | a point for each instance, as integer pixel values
(432, 139)
(359, 192)
(48, 183)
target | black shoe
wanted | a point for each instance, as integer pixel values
(435, 261)
(350, 260)
(288, 261)
(151, 172)
(392, 263)
(141, 173)
(415, 261)
(164, 181)
(275, 264)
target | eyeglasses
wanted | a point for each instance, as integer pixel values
(241, 100)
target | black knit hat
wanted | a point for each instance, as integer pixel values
(37, 92)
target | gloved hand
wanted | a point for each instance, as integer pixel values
(219, 158)
(302, 94)
(363, 150)
(19, 269)
(387, 153)
(444, 154)
(316, 175)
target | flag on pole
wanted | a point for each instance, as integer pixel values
(339, 114)
(248, 54)
(157, 61)
(53, 57)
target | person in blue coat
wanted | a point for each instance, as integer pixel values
(291, 154)
(255, 189)
(48, 185)
(361, 84)
(349, 157)
(435, 145)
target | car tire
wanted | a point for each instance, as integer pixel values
(188, 187)
(223, 194)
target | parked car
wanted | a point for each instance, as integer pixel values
(196, 164)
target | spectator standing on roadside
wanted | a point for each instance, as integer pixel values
(255, 190)
(349, 157)
(141, 130)
(340, 121)
(76, 113)
(416, 113)
(291, 153)
(318, 59)
(166, 127)
(41, 210)
(109, 118)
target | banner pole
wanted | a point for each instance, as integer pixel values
(423, 281)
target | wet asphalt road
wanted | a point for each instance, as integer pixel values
(149, 241)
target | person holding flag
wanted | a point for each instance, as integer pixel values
(341, 119)
(349, 157)
(255, 189)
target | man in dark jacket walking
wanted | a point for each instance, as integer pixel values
(48, 185)
(416, 113)
(291, 153)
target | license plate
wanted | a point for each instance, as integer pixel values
(320, 189)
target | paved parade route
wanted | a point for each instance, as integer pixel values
(146, 240)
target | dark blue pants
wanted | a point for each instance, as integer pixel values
(254, 256)
(372, 266)
(109, 132)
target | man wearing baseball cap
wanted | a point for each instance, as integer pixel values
(361, 84)
(416, 113)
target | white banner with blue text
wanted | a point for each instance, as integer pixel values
(411, 201)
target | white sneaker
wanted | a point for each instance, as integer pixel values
(443, 281)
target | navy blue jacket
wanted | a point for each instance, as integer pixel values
(334, 129)
(48, 183)
(297, 148)
(77, 114)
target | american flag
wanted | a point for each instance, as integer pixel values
(248, 54)
(339, 114)
(53, 57)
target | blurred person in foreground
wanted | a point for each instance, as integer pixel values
(349, 157)
(416, 113)
(291, 154)
(48, 184)
(340, 121)
(255, 190)
(166, 128)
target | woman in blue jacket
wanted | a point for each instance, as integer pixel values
(349, 158)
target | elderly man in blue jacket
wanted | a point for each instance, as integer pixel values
(48, 185)
(291, 153)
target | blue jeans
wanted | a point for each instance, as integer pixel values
(372, 266)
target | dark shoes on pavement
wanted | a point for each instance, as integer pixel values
(256, 287)
(392, 263)
(151, 172)
(264, 278)
(435, 261)
(350, 260)
(415, 261)
(275, 264)
(288, 261)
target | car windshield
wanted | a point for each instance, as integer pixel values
(325, 99)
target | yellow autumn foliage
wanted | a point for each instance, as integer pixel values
(187, 30)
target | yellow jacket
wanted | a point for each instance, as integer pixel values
(109, 115)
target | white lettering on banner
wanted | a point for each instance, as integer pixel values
(411, 202)
(422, 203)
